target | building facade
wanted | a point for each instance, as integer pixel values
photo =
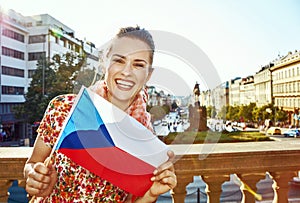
(24, 40)
(247, 92)
(234, 92)
(263, 86)
(286, 85)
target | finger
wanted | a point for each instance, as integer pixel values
(39, 177)
(168, 165)
(165, 166)
(41, 168)
(171, 155)
(164, 174)
(170, 181)
(48, 163)
(32, 191)
(32, 183)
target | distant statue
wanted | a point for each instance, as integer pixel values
(196, 92)
(197, 113)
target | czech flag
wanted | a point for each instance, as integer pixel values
(108, 142)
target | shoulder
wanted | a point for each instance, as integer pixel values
(54, 116)
(59, 107)
(61, 101)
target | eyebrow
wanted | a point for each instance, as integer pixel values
(124, 57)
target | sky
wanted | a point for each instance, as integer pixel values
(237, 36)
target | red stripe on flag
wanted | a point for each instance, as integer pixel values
(116, 166)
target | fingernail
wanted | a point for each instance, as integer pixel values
(155, 171)
(152, 178)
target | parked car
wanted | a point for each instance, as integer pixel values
(164, 123)
(274, 131)
(291, 133)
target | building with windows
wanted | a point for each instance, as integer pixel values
(247, 92)
(24, 40)
(286, 84)
(234, 92)
(263, 86)
(220, 96)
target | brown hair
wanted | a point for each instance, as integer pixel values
(138, 33)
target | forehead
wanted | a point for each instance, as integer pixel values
(128, 46)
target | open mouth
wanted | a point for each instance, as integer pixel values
(124, 84)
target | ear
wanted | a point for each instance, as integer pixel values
(103, 69)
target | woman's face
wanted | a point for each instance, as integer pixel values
(128, 70)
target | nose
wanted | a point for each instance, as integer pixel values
(127, 69)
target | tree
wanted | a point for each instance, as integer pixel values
(49, 80)
(222, 112)
(67, 68)
(211, 111)
(281, 115)
(246, 111)
(233, 113)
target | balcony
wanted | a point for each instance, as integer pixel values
(214, 162)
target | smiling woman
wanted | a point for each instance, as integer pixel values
(59, 179)
(129, 68)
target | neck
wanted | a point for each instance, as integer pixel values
(123, 105)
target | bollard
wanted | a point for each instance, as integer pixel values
(17, 194)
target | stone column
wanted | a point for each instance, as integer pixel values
(282, 184)
(179, 192)
(251, 180)
(214, 183)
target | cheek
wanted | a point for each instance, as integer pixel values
(110, 71)
(142, 78)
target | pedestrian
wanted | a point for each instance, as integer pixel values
(128, 68)
(175, 126)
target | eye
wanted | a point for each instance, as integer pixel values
(118, 60)
(139, 65)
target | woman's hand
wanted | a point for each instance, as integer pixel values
(164, 179)
(41, 178)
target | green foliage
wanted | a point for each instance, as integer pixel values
(233, 113)
(158, 112)
(214, 137)
(86, 77)
(252, 113)
(211, 111)
(222, 112)
(245, 111)
(49, 80)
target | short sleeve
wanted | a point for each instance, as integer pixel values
(54, 117)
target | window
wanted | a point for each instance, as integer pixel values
(30, 73)
(37, 39)
(39, 23)
(12, 90)
(36, 56)
(13, 35)
(12, 53)
(7, 108)
(12, 71)
(28, 24)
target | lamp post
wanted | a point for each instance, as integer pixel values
(44, 64)
(46, 58)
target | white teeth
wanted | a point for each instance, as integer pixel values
(125, 83)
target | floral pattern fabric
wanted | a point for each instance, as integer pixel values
(75, 183)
